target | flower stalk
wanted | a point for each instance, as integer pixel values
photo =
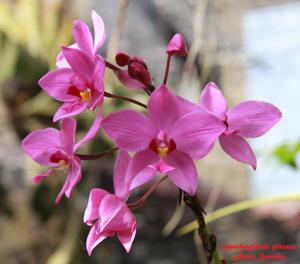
(140, 201)
(109, 95)
(209, 241)
(96, 156)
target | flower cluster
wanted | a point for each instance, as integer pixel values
(167, 139)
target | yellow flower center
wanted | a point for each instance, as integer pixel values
(62, 165)
(162, 151)
(86, 95)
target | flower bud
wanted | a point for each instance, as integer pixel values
(122, 59)
(177, 46)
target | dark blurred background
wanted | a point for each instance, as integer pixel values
(251, 49)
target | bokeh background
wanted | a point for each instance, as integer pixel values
(250, 48)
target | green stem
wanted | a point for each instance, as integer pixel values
(209, 241)
(215, 253)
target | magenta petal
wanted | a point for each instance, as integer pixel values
(238, 148)
(213, 100)
(97, 99)
(111, 211)
(195, 133)
(99, 30)
(185, 174)
(67, 134)
(73, 177)
(177, 46)
(61, 61)
(92, 210)
(126, 237)
(57, 82)
(39, 178)
(91, 133)
(83, 37)
(130, 129)
(80, 62)
(140, 170)
(127, 81)
(115, 215)
(69, 110)
(41, 144)
(253, 118)
(94, 238)
(120, 169)
(162, 167)
(163, 108)
(98, 73)
(185, 106)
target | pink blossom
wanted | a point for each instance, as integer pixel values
(84, 40)
(56, 150)
(166, 141)
(249, 119)
(108, 214)
(177, 46)
(78, 87)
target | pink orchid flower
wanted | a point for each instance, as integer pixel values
(56, 150)
(166, 141)
(108, 214)
(78, 87)
(249, 119)
(84, 40)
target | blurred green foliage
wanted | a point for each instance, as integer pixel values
(287, 153)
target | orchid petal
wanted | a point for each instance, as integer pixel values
(98, 73)
(39, 178)
(80, 62)
(213, 100)
(92, 210)
(185, 106)
(130, 129)
(126, 237)
(61, 61)
(185, 174)
(115, 215)
(83, 37)
(67, 134)
(238, 148)
(161, 166)
(96, 100)
(69, 110)
(253, 118)
(57, 82)
(41, 144)
(99, 31)
(91, 133)
(73, 177)
(195, 133)
(120, 169)
(94, 238)
(163, 109)
(140, 170)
